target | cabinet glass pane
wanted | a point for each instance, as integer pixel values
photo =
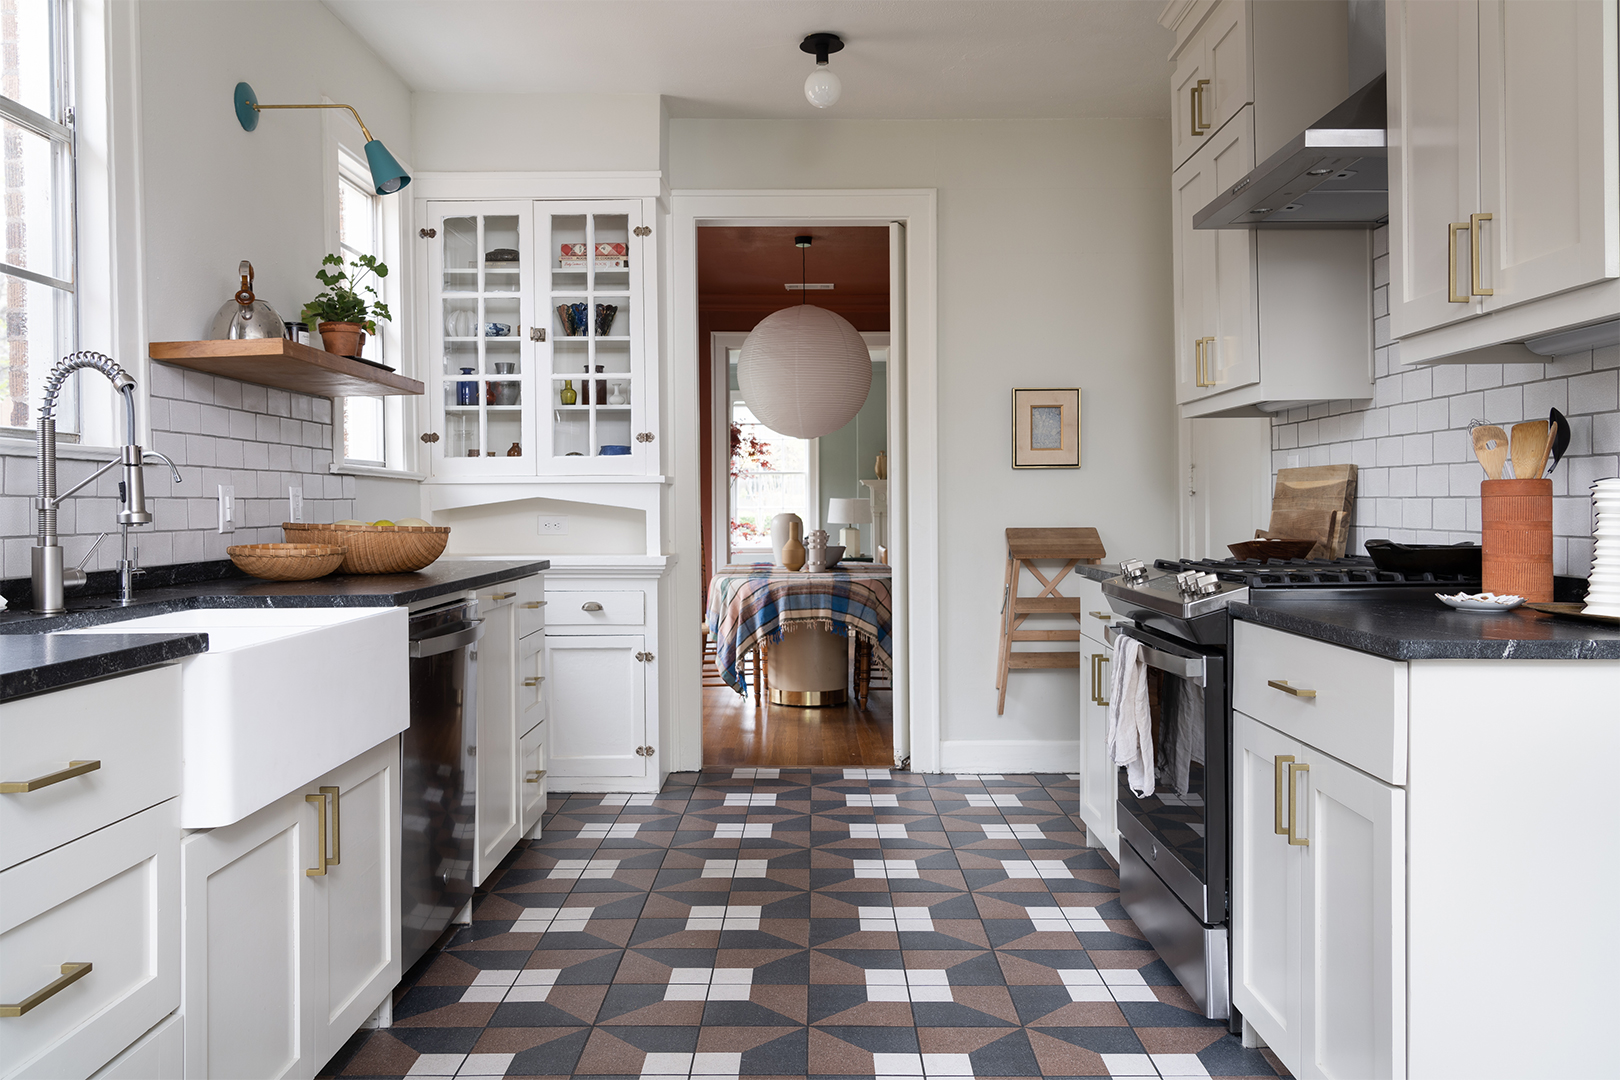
(460, 254)
(502, 269)
(461, 433)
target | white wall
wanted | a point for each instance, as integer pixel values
(1054, 270)
(537, 132)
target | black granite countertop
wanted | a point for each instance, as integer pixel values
(33, 658)
(1098, 571)
(1416, 626)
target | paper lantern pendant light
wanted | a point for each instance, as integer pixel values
(804, 371)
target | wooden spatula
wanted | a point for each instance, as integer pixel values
(1491, 447)
(1530, 445)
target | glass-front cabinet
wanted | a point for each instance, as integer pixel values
(535, 320)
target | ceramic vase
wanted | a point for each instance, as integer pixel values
(781, 526)
(793, 549)
(815, 548)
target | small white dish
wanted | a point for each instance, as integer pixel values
(1480, 601)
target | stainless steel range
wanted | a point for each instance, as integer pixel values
(1175, 855)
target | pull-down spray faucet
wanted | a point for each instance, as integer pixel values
(49, 577)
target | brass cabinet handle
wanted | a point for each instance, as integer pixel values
(534, 605)
(1473, 266)
(1293, 821)
(1209, 357)
(319, 869)
(1279, 823)
(1102, 658)
(1103, 615)
(1295, 691)
(534, 680)
(337, 826)
(499, 596)
(1200, 125)
(535, 776)
(75, 768)
(1452, 294)
(71, 973)
(590, 605)
(1198, 362)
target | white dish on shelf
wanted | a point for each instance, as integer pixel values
(1480, 601)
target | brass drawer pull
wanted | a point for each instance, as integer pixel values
(534, 605)
(1098, 679)
(1452, 295)
(499, 596)
(591, 605)
(337, 825)
(535, 777)
(1475, 230)
(71, 973)
(534, 680)
(1294, 691)
(1103, 615)
(1279, 823)
(319, 869)
(75, 768)
(1293, 820)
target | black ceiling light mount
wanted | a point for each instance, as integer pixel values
(822, 87)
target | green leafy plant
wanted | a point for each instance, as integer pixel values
(345, 297)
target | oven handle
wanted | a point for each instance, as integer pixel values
(1182, 667)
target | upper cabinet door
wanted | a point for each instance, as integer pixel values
(1232, 358)
(1192, 187)
(1549, 147)
(1212, 80)
(1433, 51)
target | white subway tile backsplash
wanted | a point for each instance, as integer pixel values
(1418, 479)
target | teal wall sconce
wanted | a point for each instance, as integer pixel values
(386, 173)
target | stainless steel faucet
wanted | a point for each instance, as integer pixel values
(49, 576)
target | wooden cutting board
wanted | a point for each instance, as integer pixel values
(1328, 528)
(1304, 504)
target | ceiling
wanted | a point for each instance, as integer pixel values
(743, 269)
(903, 59)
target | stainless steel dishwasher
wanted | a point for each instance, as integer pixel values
(438, 778)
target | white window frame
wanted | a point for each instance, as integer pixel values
(345, 153)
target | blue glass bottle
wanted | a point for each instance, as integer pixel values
(467, 389)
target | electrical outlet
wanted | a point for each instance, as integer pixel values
(553, 525)
(227, 508)
(295, 504)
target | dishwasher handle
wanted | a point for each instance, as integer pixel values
(444, 643)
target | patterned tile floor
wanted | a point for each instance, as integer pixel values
(808, 923)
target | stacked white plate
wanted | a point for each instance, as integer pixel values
(1603, 591)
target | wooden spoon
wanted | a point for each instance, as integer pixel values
(1530, 446)
(1552, 440)
(1491, 447)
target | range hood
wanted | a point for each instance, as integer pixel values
(1333, 175)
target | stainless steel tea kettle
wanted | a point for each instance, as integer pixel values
(244, 316)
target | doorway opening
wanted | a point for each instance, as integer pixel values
(750, 474)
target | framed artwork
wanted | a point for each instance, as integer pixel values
(1046, 429)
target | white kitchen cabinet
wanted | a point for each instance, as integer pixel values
(498, 811)
(292, 934)
(1504, 161)
(532, 763)
(160, 1054)
(1213, 79)
(599, 693)
(1319, 885)
(521, 300)
(1099, 776)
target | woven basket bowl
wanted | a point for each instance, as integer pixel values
(286, 562)
(376, 549)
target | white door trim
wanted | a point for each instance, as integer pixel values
(913, 460)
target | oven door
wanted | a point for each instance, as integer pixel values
(1181, 829)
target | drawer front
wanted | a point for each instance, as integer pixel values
(532, 762)
(617, 608)
(159, 1055)
(131, 725)
(1095, 615)
(531, 603)
(1356, 714)
(531, 676)
(112, 900)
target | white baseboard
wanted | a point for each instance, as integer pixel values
(1010, 755)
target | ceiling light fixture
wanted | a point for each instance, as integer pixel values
(804, 371)
(822, 87)
(387, 175)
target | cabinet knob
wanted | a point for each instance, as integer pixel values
(590, 605)
(427, 234)
(430, 436)
(643, 230)
(644, 751)
(644, 657)
(537, 333)
(644, 436)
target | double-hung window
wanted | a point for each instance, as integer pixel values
(360, 232)
(38, 266)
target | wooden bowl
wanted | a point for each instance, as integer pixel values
(286, 562)
(376, 549)
(1271, 549)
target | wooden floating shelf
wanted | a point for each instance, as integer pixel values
(285, 365)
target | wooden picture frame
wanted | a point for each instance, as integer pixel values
(1046, 429)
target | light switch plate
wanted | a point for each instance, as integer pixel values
(227, 508)
(553, 525)
(295, 503)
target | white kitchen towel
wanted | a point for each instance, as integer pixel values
(1189, 735)
(1130, 720)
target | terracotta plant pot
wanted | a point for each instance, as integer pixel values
(343, 338)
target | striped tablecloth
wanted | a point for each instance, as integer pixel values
(758, 603)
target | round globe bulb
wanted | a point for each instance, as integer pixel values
(822, 87)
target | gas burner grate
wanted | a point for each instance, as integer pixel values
(1308, 573)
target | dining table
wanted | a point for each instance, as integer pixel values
(801, 621)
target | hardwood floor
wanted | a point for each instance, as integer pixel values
(737, 733)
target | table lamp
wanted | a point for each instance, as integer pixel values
(855, 512)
